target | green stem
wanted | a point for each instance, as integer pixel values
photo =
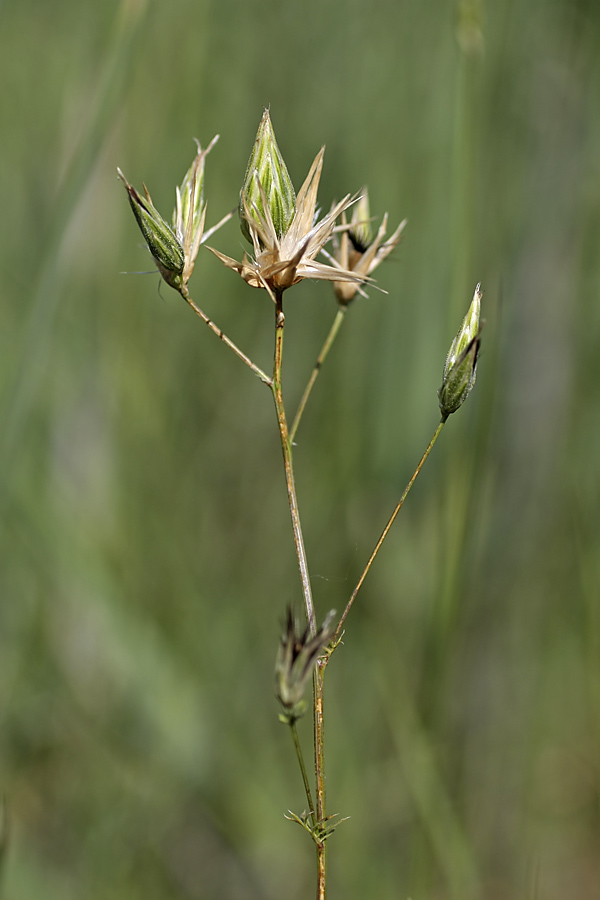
(286, 447)
(384, 533)
(337, 322)
(221, 334)
(319, 732)
(289, 470)
(307, 790)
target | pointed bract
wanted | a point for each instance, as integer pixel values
(190, 210)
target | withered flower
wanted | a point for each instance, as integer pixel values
(356, 250)
(296, 657)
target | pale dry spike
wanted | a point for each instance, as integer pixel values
(306, 199)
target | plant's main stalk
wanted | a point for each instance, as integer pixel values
(306, 589)
(287, 463)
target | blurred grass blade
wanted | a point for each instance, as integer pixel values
(102, 109)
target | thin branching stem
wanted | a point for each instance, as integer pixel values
(384, 534)
(333, 332)
(221, 334)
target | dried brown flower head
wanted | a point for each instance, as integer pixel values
(356, 250)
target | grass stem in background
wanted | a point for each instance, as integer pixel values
(49, 275)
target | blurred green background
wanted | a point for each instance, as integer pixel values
(145, 551)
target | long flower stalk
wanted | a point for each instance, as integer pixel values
(286, 447)
(385, 532)
(333, 333)
(288, 466)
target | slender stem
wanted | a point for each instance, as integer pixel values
(221, 334)
(289, 470)
(307, 790)
(286, 447)
(385, 533)
(337, 322)
(319, 731)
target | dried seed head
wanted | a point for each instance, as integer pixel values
(163, 244)
(267, 183)
(296, 657)
(357, 251)
(461, 362)
(280, 261)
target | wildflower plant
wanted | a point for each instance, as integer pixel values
(288, 237)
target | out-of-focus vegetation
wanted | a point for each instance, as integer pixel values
(145, 551)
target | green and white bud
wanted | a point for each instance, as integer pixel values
(267, 184)
(461, 362)
(163, 244)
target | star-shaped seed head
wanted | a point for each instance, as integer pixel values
(285, 231)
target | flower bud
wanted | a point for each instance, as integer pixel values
(461, 362)
(267, 191)
(163, 245)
